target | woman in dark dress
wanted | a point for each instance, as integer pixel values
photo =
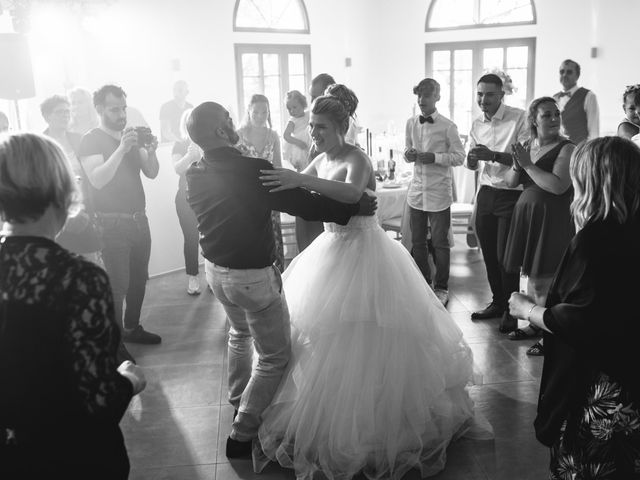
(589, 403)
(62, 394)
(541, 227)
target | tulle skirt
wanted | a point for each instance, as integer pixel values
(377, 379)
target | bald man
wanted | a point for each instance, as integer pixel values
(233, 209)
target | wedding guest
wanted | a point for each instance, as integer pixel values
(296, 135)
(83, 113)
(224, 192)
(492, 134)
(4, 122)
(258, 139)
(171, 113)
(113, 158)
(589, 403)
(79, 234)
(579, 106)
(63, 394)
(184, 153)
(630, 125)
(541, 227)
(319, 84)
(433, 145)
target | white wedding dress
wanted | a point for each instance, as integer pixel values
(377, 378)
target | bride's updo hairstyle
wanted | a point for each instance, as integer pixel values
(339, 103)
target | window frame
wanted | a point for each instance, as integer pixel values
(477, 47)
(280, 49)
(427, 28)
(305, 17)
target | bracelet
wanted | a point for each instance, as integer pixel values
(529, 313)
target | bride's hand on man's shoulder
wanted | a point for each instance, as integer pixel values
(281, 179)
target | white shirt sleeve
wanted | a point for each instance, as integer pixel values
(593, 114)
(455, 156)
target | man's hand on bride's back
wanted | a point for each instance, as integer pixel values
(368, 205)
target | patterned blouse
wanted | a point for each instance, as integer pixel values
(61, 303)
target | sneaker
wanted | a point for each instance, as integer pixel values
(140, 335)
(194, 285)
(442, 295)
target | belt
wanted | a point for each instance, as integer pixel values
(136, 216)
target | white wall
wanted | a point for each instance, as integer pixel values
(134, 44)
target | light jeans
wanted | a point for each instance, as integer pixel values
(258, 317)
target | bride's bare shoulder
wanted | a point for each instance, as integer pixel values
(356, 156)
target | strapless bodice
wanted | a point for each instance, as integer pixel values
(356, 223)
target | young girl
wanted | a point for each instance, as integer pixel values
(630, 126)
(296, 135)
(259, 140)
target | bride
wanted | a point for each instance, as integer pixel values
(377, 379)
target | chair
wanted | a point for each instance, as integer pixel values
(289, 242)
(461, 214)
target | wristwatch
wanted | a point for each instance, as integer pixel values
(496, 156)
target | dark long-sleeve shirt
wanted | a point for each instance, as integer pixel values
(592, 312)
(234, 208)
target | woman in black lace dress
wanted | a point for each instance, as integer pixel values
(589, 405)
(61, 393)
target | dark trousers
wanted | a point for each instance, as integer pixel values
(126, 251)
(440, 223)
(189, 226)
(493, 218)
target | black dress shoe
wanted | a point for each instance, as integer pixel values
(508, 323)
(493, 310)
(237, 449)
(140, 335)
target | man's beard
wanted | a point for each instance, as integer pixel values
(234, 138)
(116, 126)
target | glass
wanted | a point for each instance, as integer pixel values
(517, 57)
(270, 64)
(492, 58)
(442, 60)
(250, 85)
(296, 64)
(273, 14)
(297, 82)
(505, 11)
(250, 64)
(443, 77)
(463, 59)
(463, 101)
(519, 79)
(452, 13)
(272, 92)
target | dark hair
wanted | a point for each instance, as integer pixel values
(427, 86)
(298, 96)
(533, 111)
(100, 95)
(338, 103)
(323, 79)
(49, 104)
(491, 78)
(632, 90)
(259, 98)
(576, 64)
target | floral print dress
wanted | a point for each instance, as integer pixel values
(248, 149)
(602, 440)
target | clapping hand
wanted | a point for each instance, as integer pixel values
(281, 178)
(521, 155)
(411, 155)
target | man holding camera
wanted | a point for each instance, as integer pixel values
(113, 157)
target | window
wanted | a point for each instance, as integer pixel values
(272, 70)
(286, 16)
(450, 14)
(457, 66)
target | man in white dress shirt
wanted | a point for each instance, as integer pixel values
(433, 145)
(491, 137)
(579, 106)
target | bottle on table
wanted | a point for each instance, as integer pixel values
(392, 166)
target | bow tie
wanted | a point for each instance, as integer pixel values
(564, 94)
(428, 119)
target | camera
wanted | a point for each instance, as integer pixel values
(145, 137)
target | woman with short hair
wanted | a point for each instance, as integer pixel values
(62, 394)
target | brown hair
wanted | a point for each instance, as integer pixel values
(533, 111)
(339, 103)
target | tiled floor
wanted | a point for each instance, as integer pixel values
(176, 429)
